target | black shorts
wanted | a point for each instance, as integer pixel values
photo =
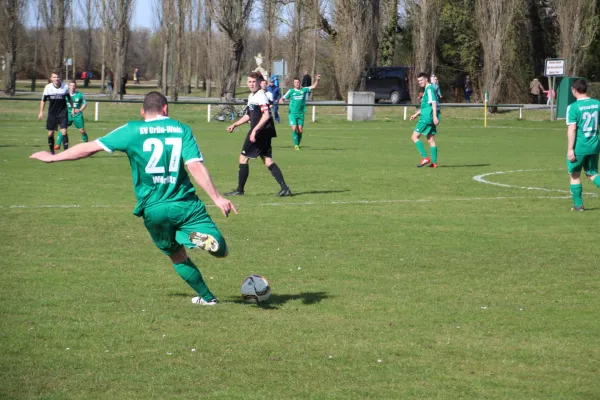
(260, 148)
(61, 121)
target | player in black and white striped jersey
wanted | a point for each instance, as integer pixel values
(57, 93)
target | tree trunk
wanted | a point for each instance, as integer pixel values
(297, 29)
(578, 23)
(12, 12)
(209, 52)
(59, 13)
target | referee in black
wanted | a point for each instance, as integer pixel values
(258, 140)
(58, 94)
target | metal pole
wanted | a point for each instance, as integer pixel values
(208, 116)
(314, 114)
(96, 110)
(553, 82)
(521, 112)
(405, 110)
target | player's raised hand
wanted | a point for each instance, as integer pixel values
(225, 205)
(43, 156)
(318, 76)
(230, 128)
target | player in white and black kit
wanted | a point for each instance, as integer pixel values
(258, 140)
(58, 94)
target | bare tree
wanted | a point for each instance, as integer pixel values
(13, 10)
(232, 18)
(355, 41)
(54, 14)
(209, 43)
(577, 22)
(104, 7)
(87, 9)
(424, 18)
(269, 11)
(494, 20)
(122, 16)
(297, 35)
(387, 43)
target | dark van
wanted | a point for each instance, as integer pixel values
(388, 83)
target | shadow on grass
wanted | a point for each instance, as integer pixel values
(320, 192)
(465, 166)
(309, 148)
(276, 300)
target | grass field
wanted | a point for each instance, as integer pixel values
(390, 282)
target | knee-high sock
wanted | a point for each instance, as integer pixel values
(51, 143)
(434, 154)
(84, 136)
(65, 141)
(278, 175)
(295, 138)
(59, 139)
(299, 138)
(192, 276)
(576, 191)
(421, 148)
(243, 176)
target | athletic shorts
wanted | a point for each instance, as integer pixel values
(589, 164)
(260, 148)
(424, 128)
(78, 120)
(170, 225)
(55, 122)
(296, 119)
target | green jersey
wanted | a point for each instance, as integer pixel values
(157, 150)
(429, 97)
(297, 99)
(584, 114)
(78, 101)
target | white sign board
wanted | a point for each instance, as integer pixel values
(555, 67)
(68, 61)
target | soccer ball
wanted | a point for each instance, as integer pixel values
(255, 289)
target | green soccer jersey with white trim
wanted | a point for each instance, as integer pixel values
(78, 101)
(157, 151)
(429, 97)
(584, 114)
(297, 99)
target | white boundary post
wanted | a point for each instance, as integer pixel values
(405, 113)
(314, 114)
(520, 112)
(96, 110)
(208, 116)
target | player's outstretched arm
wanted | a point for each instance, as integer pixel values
(317, 79)
(79, 151)
(202, 177)
(239, 122)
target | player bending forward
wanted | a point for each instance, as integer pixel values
(159, 149)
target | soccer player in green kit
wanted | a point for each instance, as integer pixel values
(159, 149)
(79, 104)
(582, 140)
(428, 122)
(297, 96)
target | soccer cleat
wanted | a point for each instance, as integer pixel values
(433, 165)
(297, 147)
(284, 192)
(204, 241)
(235, 192)
(423, 162)
(199, 300)
(580, 208)
(56, 147)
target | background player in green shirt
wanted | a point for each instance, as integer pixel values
(297, 96)
(428, 122)
(159, 148)
(76, 117)
(582, 140)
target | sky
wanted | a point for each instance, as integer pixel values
(143, 14)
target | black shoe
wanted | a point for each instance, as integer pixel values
(284, 192)
(235, 192)
(577, 208)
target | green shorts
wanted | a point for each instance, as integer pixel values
(78, 119)
(170, 225)
(296, 119)
(424, 128)
(589, 163)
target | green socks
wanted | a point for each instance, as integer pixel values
(299, 138)
(190, 274)
(84, 137)
(59, 139)
(576, 194)
(434, 155)
(421, 149)
(295, 138)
